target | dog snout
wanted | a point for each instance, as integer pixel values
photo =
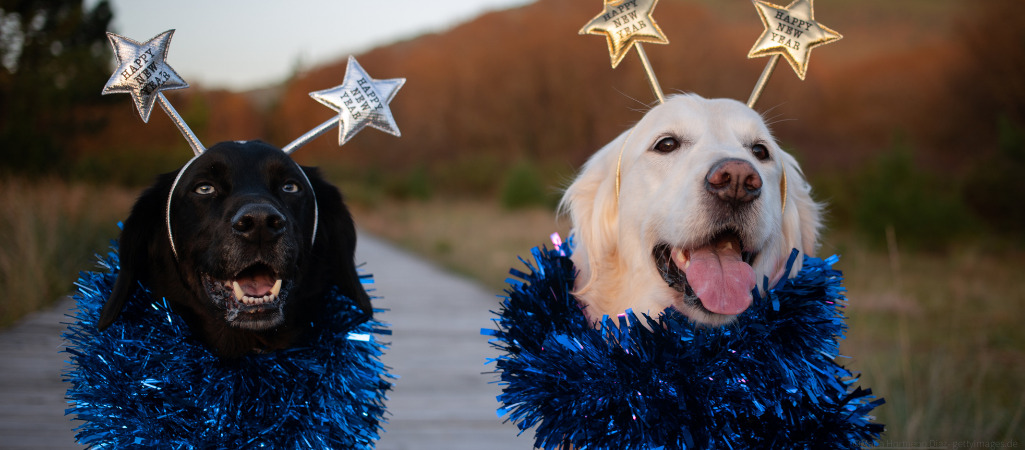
(258, 222)
(734, 181)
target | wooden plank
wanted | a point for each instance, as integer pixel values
(442, 400)
(31, 390)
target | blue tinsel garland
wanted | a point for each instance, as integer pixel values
(144, 383)
(767, 381)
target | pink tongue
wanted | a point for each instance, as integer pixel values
(256, 286)
(720, 278)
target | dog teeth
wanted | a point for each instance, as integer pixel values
(239, 294)
(681, 255)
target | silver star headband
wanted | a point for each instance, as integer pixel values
(142, 71)
(359, 101)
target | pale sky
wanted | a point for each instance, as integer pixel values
(242, 44)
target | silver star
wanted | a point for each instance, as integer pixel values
(361, 101)
(142, 70)
(792, 32)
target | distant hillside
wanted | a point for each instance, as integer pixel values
(521, 84)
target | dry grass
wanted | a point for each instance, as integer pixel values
(49, 231)
(474, 238)
(940, 336)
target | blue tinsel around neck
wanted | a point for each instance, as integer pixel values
(768, 380)
(145, 383)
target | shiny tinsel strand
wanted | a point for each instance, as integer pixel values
(769, 380)
(145, 383)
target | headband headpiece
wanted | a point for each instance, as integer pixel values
(142, 71)
(790, 32)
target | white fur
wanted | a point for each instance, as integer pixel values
(663, 199)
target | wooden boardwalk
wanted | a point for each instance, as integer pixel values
(441, 401)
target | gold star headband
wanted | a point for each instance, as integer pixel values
(625, 25)
(790, 32)
(142, 71)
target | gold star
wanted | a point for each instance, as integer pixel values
(791, 32)
(361, 101)
(625, 23)
(142, 70)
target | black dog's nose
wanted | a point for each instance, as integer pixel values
(258, 222)
(734, 181)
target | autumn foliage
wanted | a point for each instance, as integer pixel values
(521, 85)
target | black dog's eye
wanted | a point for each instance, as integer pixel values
(760, 151)
(291, 188)
(666, 144)
(204, 189)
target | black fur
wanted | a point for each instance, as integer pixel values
(217, 241)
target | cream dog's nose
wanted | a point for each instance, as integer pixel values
(733, 181)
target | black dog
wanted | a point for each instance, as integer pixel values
(255, 248)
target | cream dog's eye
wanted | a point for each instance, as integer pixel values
(205, 189)
(666, 144)
(760, 151)
(291, 188)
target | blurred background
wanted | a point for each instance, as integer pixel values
(911, 128)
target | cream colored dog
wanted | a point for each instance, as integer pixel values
(690, 208)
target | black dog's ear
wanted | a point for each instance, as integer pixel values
(144, 225)
(336, 240)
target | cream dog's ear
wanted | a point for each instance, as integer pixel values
(593, 208)
(802, 217)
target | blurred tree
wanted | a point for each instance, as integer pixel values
(992, 78)
(990, 92)
(523, 187)
(54, 57)
(994, 189)
(926, 210)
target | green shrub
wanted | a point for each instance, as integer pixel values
(994, 189)
(523, 187)
(414, 185)
(127, 167)
(926, 211)
(473, 175)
